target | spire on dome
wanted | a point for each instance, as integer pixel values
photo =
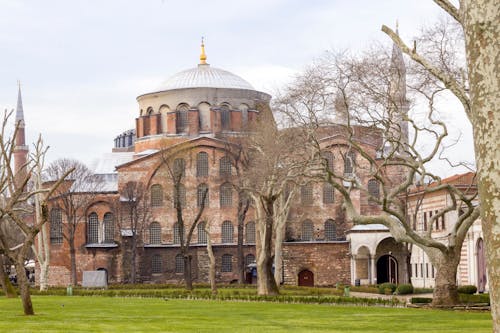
(19, 108)
(203, 56)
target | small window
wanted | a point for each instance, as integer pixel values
(156, 264)
(156, 195)
(227, 263)
(225, 167)
(330, 230)
(226, 195)
(249, 259)
(250, 233)
(202, 234)
(202, 164)
(109, 230)
(181, 118)
(328, 159)
(349, 163)
(179, 263)
(93, 229)
(374, 189)
(202, 192)
(154, 233)
(179, 169)
(227, 232)
(307, 230)
(306, 194)
(225, 117)
(328, 193)
(56, 233)
(179, 196)
(177, 233)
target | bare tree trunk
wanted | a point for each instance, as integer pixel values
(278, 253)
(44, 275)
(266, 285)
(445, 291)
(188, 278)
(72, 253)
(133, 263)
(211, 257)
(243, 205)
(7, 287)
(23, 283)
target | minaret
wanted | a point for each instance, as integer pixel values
(398, 104)
(21, 149)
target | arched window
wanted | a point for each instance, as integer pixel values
(93, 229)
(307, 230)
(202, 164)
(249, 259)
(250, 233)
(225, 117)
(156, 264)
(227, 263)
(179, 263)
(330, 230)
(226, 195)
(56, 235)
(306, 194)
(109, 228)
(244, 114)
(328, 193)
(202, 234)
(204, 116)
(179, 195)
(374, 189)
(225, 166)
(156, 195)
(181, 118)
(177, 233)
(154, 233)
(349, 163)
(202, 192)
(179, 168)
(328, 157)
(227, 231)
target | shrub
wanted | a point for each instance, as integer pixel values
(383, 286)
(420, 300)
(479, 298)
(467, 289)
(423, 290)
(365, 289)
(404, 289)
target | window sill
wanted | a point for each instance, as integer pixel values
(101, 245)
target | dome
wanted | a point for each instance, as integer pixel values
(205, 76)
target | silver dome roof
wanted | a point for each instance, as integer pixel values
(204, 76)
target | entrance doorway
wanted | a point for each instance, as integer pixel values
(481, 266)
(387, 269)
(306, 278)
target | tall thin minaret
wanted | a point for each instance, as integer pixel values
(21, 149)
(398, 104)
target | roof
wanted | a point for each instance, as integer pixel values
(369, 227)
(205, 76)
(463, 180)
(107, 163)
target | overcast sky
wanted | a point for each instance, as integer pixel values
(83, 63)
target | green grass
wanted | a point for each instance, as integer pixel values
(114, 314)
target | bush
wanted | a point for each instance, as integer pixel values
(404, 289)
(471, 299)
(467, 289)
(383, 286)
(365, 289)
(423, 290)
(420, 300)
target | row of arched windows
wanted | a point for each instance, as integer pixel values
(157, 263)
(329, 228)
(100, 232)
(227, 233)
(307, 198)
(202, 195)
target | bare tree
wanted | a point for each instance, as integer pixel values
(478, 92)
(360, 101)
(211, 257)
(7, 287)
(134, 209)
(18, 223)
(80, 188)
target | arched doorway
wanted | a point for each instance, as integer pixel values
(387, 269)
(306, 278)
(481, 266)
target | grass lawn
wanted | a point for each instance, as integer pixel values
(114, 314)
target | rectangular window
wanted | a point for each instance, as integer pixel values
(425, 221)
(427, 270)
(421, 270)
(443, 224)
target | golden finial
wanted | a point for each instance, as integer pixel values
(203, 56)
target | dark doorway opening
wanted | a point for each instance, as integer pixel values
(306, 278)
(387, 269)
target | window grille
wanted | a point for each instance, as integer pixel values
(179, 195)
(249, 259)
(227, 263)
(154, 233)
(156, 264)
(177, 233)
(328, 156)
(179, 168)
(226, 195)
(181, 118)
(307, 230)
(56, 233)
(349, 162)
(225, 117)
(202, 164)
(374, 189)
(109, 228)
(330, 230)
(225, 166)
(306, 194)
(227, 232)
(93, 229)
(156, 195)
(328, 193)
(179, 263)
(250, 233)
(202, 192)
(202, 234)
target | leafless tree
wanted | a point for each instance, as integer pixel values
(80, 188)
(19, 225)
(211, 257)
(360, 100)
